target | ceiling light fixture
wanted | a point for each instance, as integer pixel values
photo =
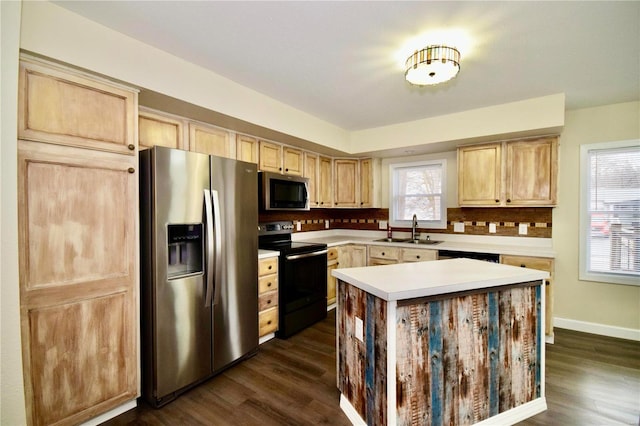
(432, 65)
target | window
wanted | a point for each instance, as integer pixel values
(610, 212)
(418, 188)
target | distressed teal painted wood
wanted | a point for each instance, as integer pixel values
(494, 347)
(435, 356)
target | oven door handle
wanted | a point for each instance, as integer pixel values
(303, 255)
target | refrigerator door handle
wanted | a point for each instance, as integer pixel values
(209, 245)
(218, 247)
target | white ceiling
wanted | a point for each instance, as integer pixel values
(338, 61)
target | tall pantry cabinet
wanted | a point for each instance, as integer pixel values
(78, 243)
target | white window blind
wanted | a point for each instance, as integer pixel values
(611, 207)
(418, 188)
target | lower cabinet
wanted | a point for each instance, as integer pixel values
(332, 263)
(541, 264)
(383, 255)
(267, 296)
(418, 255)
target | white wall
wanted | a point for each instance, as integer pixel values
(592, 302)
(12, 410)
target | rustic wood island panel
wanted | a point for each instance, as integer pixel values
(455, 358)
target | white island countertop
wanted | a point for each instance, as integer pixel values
(420, 279)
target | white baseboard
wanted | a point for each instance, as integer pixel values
(594, 328)
(111, 414)
(351, 413)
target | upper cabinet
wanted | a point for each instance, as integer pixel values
(345, 182)
(247, 149)
(311, 172)
(210, 140)
(325, 180)
(525, 176)
(158, 129)
(366, 182)
(270, 157)
(74, 109)
(292, 159)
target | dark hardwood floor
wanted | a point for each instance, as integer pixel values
(591, 380)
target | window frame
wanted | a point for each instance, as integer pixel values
(585, 222)
(429, 224)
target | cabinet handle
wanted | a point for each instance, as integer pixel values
(361, 202)
(131, 170)
(523, 265)
(321, 202)
(383, 253)
(269, 302)
(418, 257)
(508, 200)
(497, 201)
(269, 285)
(286, 170)
(268, 322)
(280, 168)
(131, 147)
(270, 267)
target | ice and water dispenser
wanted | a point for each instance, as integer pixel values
(185, 247)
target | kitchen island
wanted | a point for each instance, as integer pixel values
(455, 341)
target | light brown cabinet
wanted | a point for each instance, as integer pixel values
(267, 296)
(210, 140)
(525, 176)
(345, 183)
(246, 149)
(541, 264)
(156, 129)
(270, 157)
(72, 109)
(332, 263)
(293, 161)
(383, 255)
(352, 256)
(325, 180)
(366, 182)
(312, 172)
(78, 255)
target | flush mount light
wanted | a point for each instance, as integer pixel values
(432, 65)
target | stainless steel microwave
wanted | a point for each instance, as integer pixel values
(283, 192)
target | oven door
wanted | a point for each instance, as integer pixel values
(303, 280)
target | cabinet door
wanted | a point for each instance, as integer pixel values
(209, 140)
(541, 264)
(78, 237)
(326, 182)
(479, 175)
(332, 263)
(160, 130)
(292, 161)
(247, 149)
(270, 157)
(345, 184)
(311, 172)
(59, 107)
(366, 182)
(531, 172)
(352, 256)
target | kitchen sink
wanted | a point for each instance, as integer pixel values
(407, 240)
(392, 240)
(428, 242)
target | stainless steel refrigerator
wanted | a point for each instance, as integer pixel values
(199, 270)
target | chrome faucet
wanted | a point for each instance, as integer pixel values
(414, 225)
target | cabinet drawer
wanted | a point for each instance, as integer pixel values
(268, 266)
(539, 263)
(418, 255)
(267, 283)
(268, 321)
(375, 261)
(332, 253)
(384, 252)
(267, 300)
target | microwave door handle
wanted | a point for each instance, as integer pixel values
(209, 247)
(217, 231)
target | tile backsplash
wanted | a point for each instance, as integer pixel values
(476, 220)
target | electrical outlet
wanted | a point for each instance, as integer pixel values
(522, 228)
(458, 227)
(326, 224)
(382, 224)
(492, 228)
(298, 226)
(359, 329)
